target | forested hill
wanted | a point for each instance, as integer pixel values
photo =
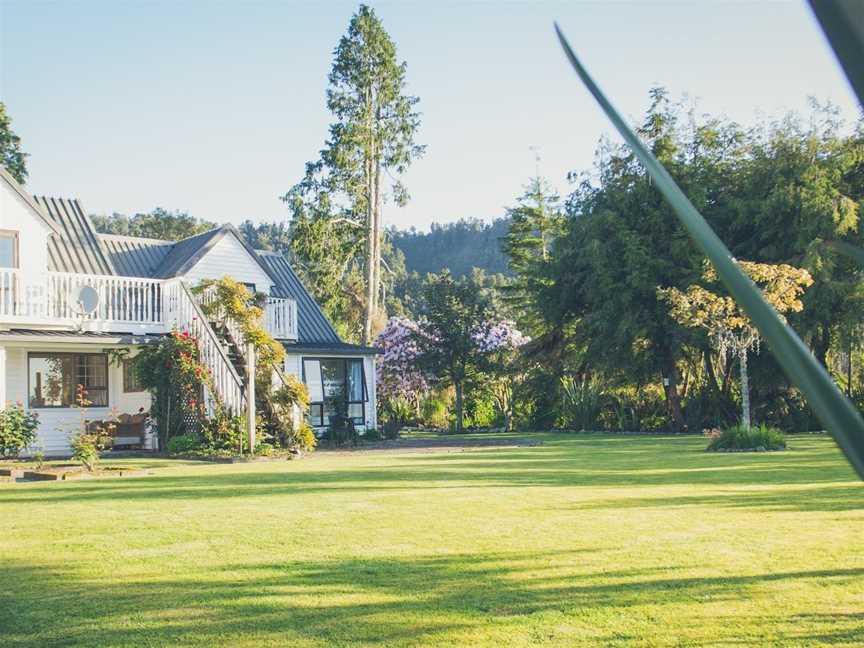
(459, 246)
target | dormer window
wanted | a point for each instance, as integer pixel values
(8, 249)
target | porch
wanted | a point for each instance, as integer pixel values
(127, 304)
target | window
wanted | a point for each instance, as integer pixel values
(131, 382)
(8, 249)
(54, 377)
(336, 386)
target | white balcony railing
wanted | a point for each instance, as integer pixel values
(280, 318)
(129, 304)
(51, 298)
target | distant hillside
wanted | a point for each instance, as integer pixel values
(459, 246)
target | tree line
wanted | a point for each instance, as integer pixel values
(621, 326)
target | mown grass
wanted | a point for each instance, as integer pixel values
(586, 540)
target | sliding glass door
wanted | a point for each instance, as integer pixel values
(337, 387)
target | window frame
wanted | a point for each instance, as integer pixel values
(127, 367)
(75, 355)
(319, 405)
(16, 248)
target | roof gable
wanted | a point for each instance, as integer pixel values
(18, 190)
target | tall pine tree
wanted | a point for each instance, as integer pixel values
(371, 145)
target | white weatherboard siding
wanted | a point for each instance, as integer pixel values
(229, 257)
(16, 215)
(57, 423)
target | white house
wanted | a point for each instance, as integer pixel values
(49, 251)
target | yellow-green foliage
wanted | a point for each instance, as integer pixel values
(292, 392)
(236, 301)
(782, 286)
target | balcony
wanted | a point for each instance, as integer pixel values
(126, 304)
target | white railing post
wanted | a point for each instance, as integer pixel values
(250, 395)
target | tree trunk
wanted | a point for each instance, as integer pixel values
(822, 343)
(745, 389)
(673, 399)
(459, 405)
(376, 268)
(370, 258)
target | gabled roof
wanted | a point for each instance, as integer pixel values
(312, 325)
(187, 252)
(141, 257)
(28, 199)
(133, 256)
(75, 247)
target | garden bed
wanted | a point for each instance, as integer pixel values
(69, 472)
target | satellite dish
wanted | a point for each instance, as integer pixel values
(87, 299)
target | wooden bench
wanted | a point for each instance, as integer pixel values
(127, 431)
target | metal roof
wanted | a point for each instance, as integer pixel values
(122, 338)
(187, 252)
(339, 348)
(76, 248)
(312, 325)
(18, 188)
(133, 256)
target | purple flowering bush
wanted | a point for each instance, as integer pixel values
(403, 384)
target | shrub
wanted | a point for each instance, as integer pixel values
(304, 437)
(17, 429)
(182, 443)
(222, 431)
(583, 402)
(435, 409)
(480, 408)
(281, 402)
(86, 445)
(372, 434)
(264, 449)
(92, 437)
(739, 437)
(391, 429)
(398, 410)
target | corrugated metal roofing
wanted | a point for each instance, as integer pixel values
(78, 248)
(312, 325)
(123, 338)
(342, 348)
(75, 248)
(133, 256)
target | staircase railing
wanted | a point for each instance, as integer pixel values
(236, 334)
(184, 312)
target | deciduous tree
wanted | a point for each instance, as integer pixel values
(728, 327)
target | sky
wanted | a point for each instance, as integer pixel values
(215, 107)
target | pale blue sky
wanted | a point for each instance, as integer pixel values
(214, 107)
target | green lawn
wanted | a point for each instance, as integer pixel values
(586, 540)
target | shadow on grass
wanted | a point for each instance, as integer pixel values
(380, 601)
(576, 462)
